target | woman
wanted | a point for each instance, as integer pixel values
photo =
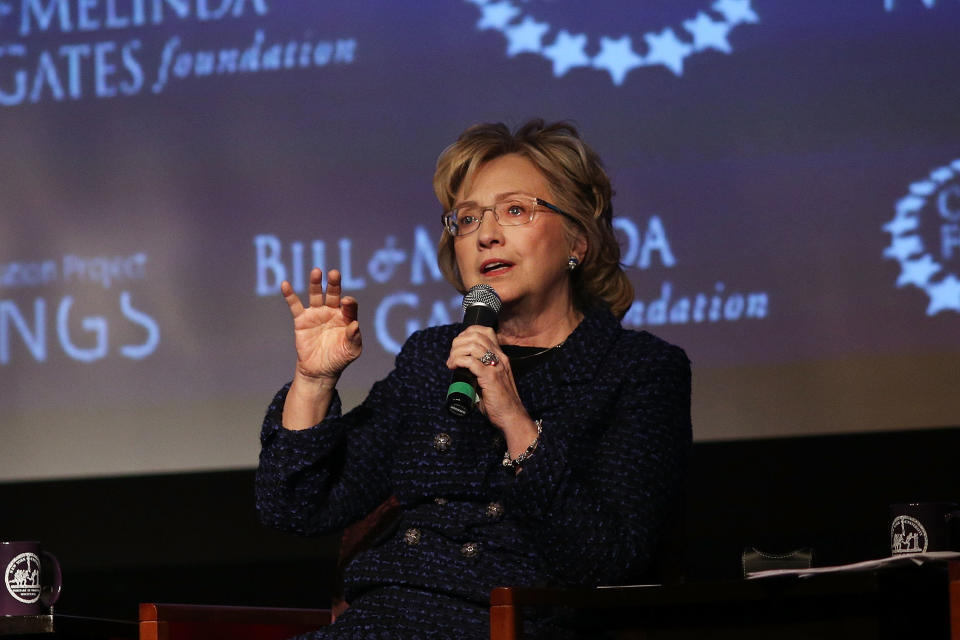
(563, 475)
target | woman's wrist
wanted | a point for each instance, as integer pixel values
(516, 461)
(313, 384)
(524, 433)
(308, 401)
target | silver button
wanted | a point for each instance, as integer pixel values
(440, 501)
(442, 442)
(412, 536)
(470, 549)
(494, 510)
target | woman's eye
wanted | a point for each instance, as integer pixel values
(516, 210)
(467, 220)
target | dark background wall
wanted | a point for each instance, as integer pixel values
(194, 537)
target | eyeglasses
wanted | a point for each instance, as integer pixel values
(512, 210)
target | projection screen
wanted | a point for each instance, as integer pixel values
(787, 178)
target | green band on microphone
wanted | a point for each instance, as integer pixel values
(461, 387)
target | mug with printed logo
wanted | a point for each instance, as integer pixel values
(919, 527)
(31, 579)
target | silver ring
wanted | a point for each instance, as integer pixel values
(489, 358)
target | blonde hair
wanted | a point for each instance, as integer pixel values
(579, 185)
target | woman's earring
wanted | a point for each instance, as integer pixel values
(572, 263)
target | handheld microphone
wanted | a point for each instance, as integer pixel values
(480, 306)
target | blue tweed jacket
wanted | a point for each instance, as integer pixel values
(586, 509)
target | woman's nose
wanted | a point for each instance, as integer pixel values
(490, 231)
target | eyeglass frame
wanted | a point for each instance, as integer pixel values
(446, 215)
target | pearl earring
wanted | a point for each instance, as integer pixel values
(572, 263)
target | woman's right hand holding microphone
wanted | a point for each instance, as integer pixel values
(327, 336)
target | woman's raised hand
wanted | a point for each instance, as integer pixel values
(327, 336)
(327, 332)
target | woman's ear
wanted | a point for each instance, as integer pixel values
(580, 246)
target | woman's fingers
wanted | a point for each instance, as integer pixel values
(469, 362)
(316, 287)
(316, 295)
(353, 334)
(478, 330)
(296, 307)
(333, 289)
(468, 351)
(348, 307)
(473, 346)
(499, 400)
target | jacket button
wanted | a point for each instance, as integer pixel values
(411, 536)
(470, 549)
(441, 501)
(494, 510)
(442, 442)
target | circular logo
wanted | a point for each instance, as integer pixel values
(577, 45)
(926, 238)
(22, 578)
(907, 535)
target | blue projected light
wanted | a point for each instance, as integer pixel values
(933, 205)
(617, 56)
(889, 5)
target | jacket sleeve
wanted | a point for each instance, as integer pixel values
(597, 512)
(328, 476)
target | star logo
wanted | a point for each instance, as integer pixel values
(903, 248)
(567, 52)
(616, 54)
(944, 295)
(496, 15)
(525, 37)
(617, 57)
(668, 50)
(736, 11)
(927, 222)
(917, 272)
(709, 34)
(901, 224)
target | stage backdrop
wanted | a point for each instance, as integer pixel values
(787, 177)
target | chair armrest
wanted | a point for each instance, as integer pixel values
(216, 622)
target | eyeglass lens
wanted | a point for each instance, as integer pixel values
(508, 213)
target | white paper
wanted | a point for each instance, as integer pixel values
(866, 565)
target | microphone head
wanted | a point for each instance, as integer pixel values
(482, 294)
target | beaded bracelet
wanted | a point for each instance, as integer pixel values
(520, 459)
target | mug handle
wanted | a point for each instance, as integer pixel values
(51, 596)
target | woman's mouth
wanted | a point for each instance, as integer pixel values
(495, 267)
